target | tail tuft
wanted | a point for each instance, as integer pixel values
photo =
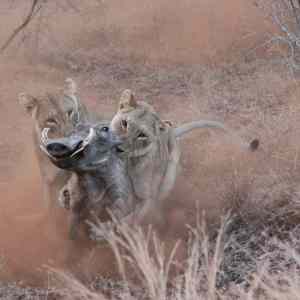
(254, 144)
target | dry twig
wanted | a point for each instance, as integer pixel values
(35, 8)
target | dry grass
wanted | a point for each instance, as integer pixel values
(240, 259)
(252, 253)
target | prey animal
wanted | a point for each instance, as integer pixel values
(99, 178)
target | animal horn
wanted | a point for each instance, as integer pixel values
(44, 137)
(86, 141)
(44, 141)
(90, 136)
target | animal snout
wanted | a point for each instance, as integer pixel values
(58, 149)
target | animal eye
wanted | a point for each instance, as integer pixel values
(124, 124)
(101, 130)
(105, 129)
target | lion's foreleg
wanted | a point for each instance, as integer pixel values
(172, 168)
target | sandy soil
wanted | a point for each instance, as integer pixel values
(165, 53)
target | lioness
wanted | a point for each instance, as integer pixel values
(149, 152)
(151, 148)
(99, 177)
(59, 112)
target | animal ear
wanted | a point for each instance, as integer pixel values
(127, 100)
(27, 101)
(70, 87)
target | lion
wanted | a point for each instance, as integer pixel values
(148, 149)
(59, 112)
(151, 148)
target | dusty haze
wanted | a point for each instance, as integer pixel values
(171, 54)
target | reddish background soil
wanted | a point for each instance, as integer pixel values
(154, 32)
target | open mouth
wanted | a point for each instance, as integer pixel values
(58, 151)
(61, 149)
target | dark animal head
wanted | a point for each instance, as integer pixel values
(87, 148)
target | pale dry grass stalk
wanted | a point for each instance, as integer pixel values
(144, 253)
(276, 272)
(73, 289)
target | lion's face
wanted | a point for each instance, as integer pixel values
(149, 147)
(49, 111)
(138, 125)
(138, 134)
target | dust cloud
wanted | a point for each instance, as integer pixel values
(31, 237)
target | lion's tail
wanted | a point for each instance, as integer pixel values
(185, 128)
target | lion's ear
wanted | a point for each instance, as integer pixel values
(127, 100)
(70, 87)
(27, 101)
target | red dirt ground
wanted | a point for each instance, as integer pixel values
(189, 32)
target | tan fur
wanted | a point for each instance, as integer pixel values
(74, 197)
(153, 157)
(54, 110)
(152, 149)
(159, 166)
(152, 152)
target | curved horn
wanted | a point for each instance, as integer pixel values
(90, 136)
(44, 135)
(44, 141)
(86, 141)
